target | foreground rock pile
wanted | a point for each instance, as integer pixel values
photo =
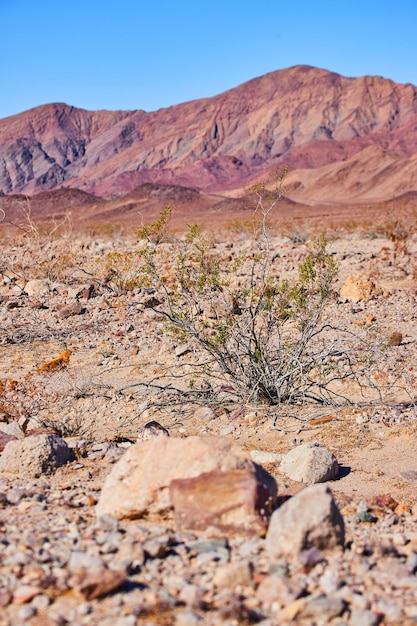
(65, 559)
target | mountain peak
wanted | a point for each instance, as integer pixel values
(302, 116)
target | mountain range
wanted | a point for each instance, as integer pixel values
(345, 141)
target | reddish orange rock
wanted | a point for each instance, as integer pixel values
(402, 509)
(229, 502)
(386, 501)
(4, 440)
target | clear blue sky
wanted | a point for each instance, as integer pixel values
(148, 54)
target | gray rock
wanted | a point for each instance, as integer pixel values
(83, 561)
(277, 589)
(323, 607)
(37, 288)
(188, 618)
(261, 456)
(309, 519)
(26, 612)
(310, 464)
(151, 430)
(364, 618)
(33, 456)
(232, 574)
(12, 428)
(16, 494)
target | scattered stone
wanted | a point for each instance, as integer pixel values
(330, 582)
(24, 593)
(16, 494)
(201, 546)
(108, 523)
(231, 502)
(227, 430)
(99, 583)
(204, 414)
(138, 485)
(181, 350)
(188, 618)
(75, 308)
(410, 476)
(37, 288)
(157, 548)
(310, 558)
(310, 463)
(385, 501)
(13, 304)
(357, 288)
(12, 428)
(151, 430)
(323, 607)
(25, 613)
(262, 457)
(366, 516)
(110, 451)
(395, 339)
(80, 561)
(362, 506)
(33, 456)
(308, 519)
(278, 590)
(364, 618)
(232, 574)
(80, 291)
(5, 598)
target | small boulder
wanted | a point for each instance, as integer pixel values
(37, 288)
(357, 288)
(151, 430)
(33, 456)
(310, 464)
(139, 484)
(263, 457)
(309, 519)
(75, 308)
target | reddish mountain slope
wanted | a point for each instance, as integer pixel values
(344, 139)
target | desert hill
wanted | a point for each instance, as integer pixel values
(345, 140)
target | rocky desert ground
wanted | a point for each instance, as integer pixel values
(80, 343)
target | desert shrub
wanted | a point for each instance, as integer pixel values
(121, 272)
(20, 398)
(157, 231)
(256, 336)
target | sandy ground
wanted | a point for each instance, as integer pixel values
(114, 348)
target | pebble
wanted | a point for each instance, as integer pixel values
(364, 618)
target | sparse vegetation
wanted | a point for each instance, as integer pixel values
(257, 336)
(253, 317)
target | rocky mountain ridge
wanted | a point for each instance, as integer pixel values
(344, 140)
